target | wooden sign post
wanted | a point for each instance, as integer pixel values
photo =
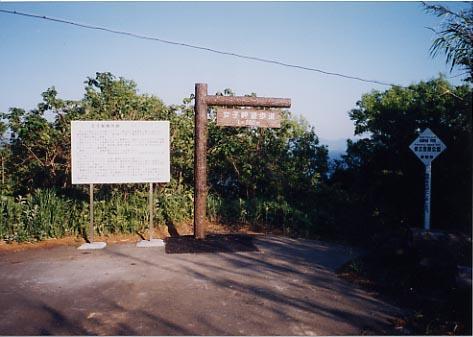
(202, 102)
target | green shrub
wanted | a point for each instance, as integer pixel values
(47, 214)
(40, 215)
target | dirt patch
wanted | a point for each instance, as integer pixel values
(214, 227)
(49, 243)
(213, 243)
(160, 232)
(65, 241)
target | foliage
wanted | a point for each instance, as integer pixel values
(46, 214)
(175, 203)
(39, 140)
(275, 179)
(266, 177)
(40, 215)
(273, 164)
(455, 37)
(256, 176)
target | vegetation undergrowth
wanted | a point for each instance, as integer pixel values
(423, 282)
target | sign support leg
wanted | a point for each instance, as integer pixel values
(151, 242)
(90, 237)
(91, 213)
(151, 228)
(428, 180)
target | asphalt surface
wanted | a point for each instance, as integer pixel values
(287, 287)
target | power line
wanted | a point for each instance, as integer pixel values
(458, 75)
(144, 37)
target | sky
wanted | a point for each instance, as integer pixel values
(384, 41)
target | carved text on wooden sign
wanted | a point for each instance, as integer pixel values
(249, 117)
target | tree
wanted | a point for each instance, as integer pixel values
(269, 171)
(39, 140)
(107, 97)
(39, 149)
(455, 37)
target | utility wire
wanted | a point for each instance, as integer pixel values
(143, 37)
(458, 75)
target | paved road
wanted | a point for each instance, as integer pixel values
(288, 287)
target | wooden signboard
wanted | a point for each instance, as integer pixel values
(243, 117)
(249, 117)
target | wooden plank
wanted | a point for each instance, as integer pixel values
(250, 101)
(249, 118)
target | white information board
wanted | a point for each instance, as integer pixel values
(117, 152)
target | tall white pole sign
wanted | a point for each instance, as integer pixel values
(427, 147)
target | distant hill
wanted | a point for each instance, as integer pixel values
(336, 147)
(339, 144)
(335, 155)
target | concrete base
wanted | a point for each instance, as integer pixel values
(93, 245)
(150, 243)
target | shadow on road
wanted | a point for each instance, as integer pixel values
(282, 287)
(213, 243)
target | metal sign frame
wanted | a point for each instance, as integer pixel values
(162, 176)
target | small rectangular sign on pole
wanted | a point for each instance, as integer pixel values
(249, 118)
(427, 147)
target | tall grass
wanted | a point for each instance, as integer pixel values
(121, 213)
(39, 216)
(46, 214)
(175, 203)
(270, 214)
